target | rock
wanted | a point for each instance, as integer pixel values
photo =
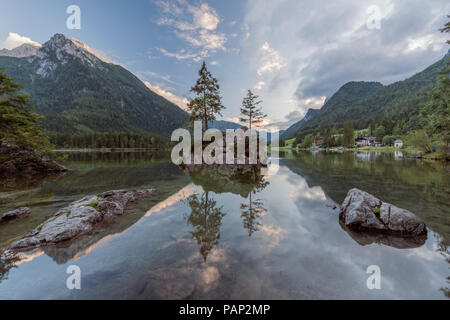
(16, 214)
(361, 210)
(23, 162)
(79, 218)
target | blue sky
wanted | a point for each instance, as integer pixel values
(292, 53)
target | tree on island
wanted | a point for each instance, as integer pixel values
(18, 124)
(208, 101)
(251, 113)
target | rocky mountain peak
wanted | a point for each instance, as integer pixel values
(60, 50)
(22, 51)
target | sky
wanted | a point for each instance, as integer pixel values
(294, 54)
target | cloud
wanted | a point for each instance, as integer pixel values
(179, 101)
(15, 40)
(259, 85)
(271, 60)
(196, 25)
(311, 48)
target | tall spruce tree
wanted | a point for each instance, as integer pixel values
(18, 124)
(208, 101)
(251, 113)
(349, 139)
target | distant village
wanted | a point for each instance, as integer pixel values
(359, 142)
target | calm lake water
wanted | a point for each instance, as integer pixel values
(206, 237)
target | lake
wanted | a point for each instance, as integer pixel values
(206, 237)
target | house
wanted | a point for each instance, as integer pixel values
(398, 144)
(318, 142)
(366, 142)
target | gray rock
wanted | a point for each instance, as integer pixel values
(16, 214)
(361, 210)
(79, 218)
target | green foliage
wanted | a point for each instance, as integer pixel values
(250, 112)
(389, 140)
(307, 141)
(370, 103)
(78, 98)
(420, 140)
(108, 140)
(18, 124)
(380, 132)
(208, 101)
(437, 111)
(349, 136)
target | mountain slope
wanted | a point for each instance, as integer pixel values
(77, 92)
(292, 130)
(364, 102)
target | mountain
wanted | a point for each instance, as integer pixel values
(22, 51)
(292, 130)
(365, 102)
(223, 125)
(79, 93)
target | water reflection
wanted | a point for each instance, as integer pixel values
(299, 252)
(206, 219)
(254, 210)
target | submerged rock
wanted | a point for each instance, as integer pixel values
(361, 210)
(16, 214)
(79, 218)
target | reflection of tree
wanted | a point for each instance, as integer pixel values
(253, 211)
(206, 219)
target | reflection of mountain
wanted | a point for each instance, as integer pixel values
(421, 188)
(206, 219)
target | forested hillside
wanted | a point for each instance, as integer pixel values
(79, 93)
(366, 103)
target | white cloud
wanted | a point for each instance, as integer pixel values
(179, 101)
(14, 40)
(433, 41)
(205, 17)
(195, 24)
(271, 60)
(259, 85)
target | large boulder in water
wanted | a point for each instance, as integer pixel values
(79, 218)
(361, 210)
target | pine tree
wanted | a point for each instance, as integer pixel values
(208, 101)
(250, 110)
(349, 139)
(18, 124)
